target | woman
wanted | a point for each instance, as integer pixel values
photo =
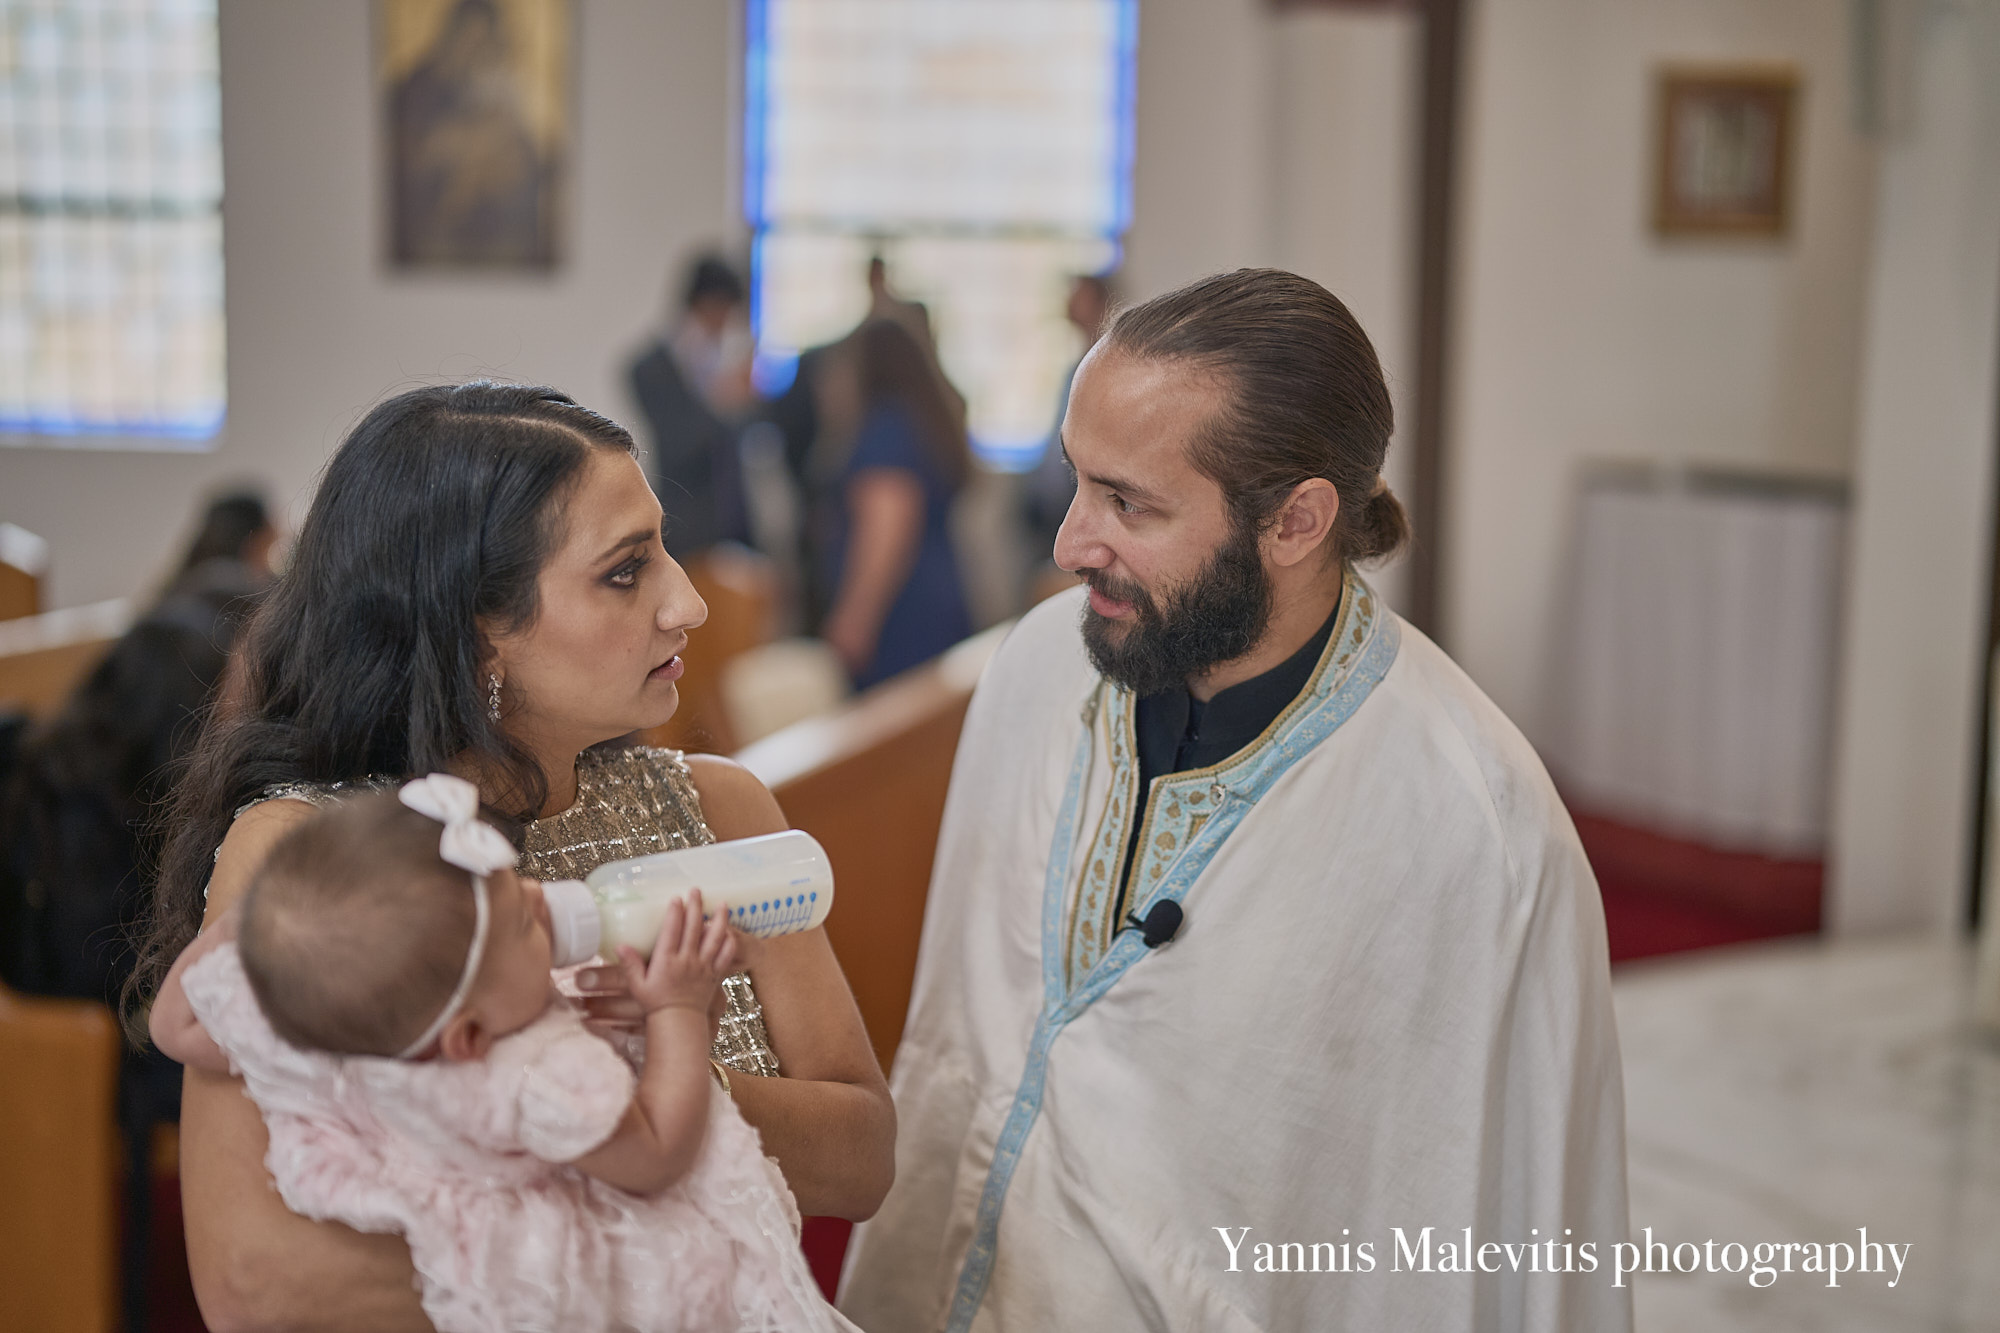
(898, 600)
(481, 587)
(77, 847)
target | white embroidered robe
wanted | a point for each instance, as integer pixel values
(1388, 1007)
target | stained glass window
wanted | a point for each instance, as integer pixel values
(110, 221)
(981, 147)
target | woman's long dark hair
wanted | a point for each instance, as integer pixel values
(894, 368)
(431, 525)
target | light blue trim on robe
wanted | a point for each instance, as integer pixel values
(1237, 785)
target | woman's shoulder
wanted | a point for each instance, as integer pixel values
(734, 801)
(319, 795)
(257, 827)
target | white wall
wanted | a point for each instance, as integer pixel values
(1581, 335)
(1922, 544)
(1284, 139)
(1262, 139)
(318, 328)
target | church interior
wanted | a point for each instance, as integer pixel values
(1690, 314)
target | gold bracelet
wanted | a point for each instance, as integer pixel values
(721, 1075)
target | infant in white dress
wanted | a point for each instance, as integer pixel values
(539, 1184)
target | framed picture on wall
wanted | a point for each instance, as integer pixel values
(1725, 150)
(475, 97)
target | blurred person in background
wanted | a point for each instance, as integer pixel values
(898, 599)
(75, 805)
(819, 417)
(1048, 489)
(693, 386)
(77, 840)
(915, 316)
(230, 556)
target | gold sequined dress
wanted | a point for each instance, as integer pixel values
(629, 802)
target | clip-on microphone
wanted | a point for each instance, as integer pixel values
(1161, 924)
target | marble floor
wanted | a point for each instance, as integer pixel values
(1800, 1092)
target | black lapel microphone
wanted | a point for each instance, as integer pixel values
(1161, 924)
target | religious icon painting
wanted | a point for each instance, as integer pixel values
(1725, 151)
(475, 95)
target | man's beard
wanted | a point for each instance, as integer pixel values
(1215, 617)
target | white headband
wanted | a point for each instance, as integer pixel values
(470, 844)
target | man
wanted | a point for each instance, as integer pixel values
(1048, 486)
(1378, 1050)
(693, 385)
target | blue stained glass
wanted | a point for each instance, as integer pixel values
(982, 148)
(111, 284)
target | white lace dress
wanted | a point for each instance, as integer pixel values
(464, 1160)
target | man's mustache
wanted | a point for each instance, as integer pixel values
(1118, 590)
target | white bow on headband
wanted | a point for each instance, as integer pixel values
(469, 843)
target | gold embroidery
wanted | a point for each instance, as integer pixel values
(1179, 803)
(1092, 924)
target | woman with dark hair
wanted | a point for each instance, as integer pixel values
(78, 842)
(480, 587)
(235, 527)
(897, 595)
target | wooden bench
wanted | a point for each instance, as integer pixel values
(869, 782)
(741, 589)
(24, 558)
(59, 1165)
(42, 658)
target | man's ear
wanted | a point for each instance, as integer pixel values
(466, 1037)
(1304, 523)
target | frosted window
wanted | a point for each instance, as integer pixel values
(982, 147)
(110, 220)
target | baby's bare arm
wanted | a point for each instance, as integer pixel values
(662, 1131)
(172, 1024)
(656, 1143)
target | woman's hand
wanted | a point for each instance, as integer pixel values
(255, 1263)
(852, 631)
(172, 1024)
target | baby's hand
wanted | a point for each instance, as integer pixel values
(689, 960)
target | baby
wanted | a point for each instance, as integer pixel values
(384, 991)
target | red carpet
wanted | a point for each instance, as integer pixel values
(1663, 895)
(825, 1242)
(170, 1306)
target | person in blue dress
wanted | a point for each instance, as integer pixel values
(897, 599)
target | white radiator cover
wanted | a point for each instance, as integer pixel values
(1702, 633)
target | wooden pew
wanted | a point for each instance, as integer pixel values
(24, 557)
(741, 589)
(43, 657)
(869, 782)
(59, 1165)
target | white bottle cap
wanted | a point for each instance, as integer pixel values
(575, 928)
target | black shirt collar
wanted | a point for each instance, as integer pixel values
(1176, 732)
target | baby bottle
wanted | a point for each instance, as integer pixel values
(773, 885)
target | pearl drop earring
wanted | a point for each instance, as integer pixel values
(493, 697)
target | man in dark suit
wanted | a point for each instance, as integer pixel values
(693, 385)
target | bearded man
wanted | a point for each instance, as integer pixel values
(1263, 982)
